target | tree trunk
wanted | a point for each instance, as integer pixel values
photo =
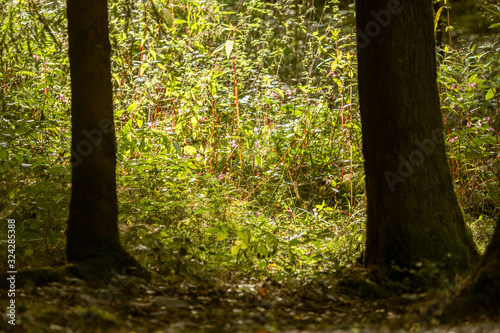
(412, 214)
(93, 220)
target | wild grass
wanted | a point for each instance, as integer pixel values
(238, 134)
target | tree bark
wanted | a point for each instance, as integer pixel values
(93, 220)
(412, 210)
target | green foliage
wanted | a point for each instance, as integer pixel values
(469, 84)
(238, 133)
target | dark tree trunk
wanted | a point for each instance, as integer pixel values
(93, 220)
(413, 213)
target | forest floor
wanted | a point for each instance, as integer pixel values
(346, 301)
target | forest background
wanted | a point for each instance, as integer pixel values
(238, 130)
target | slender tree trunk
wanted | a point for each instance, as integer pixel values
(93, 220)
(413, 213)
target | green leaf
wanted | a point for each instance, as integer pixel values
(132, 107)
(279, 92)
(213, 230)
(127, 126)
(139, 122)
(217, 49)
(258, 160)
(263, 250)
(294, 242)
(26, 73)
(489, 94)
(436, 19)
(229, 47)
(194, 121)
(221, 235)
(168, 17)
(271, 240)
(57, 170)
(494, 25)
(190, 150)
(177, 147)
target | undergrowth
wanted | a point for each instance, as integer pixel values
(238, 133)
